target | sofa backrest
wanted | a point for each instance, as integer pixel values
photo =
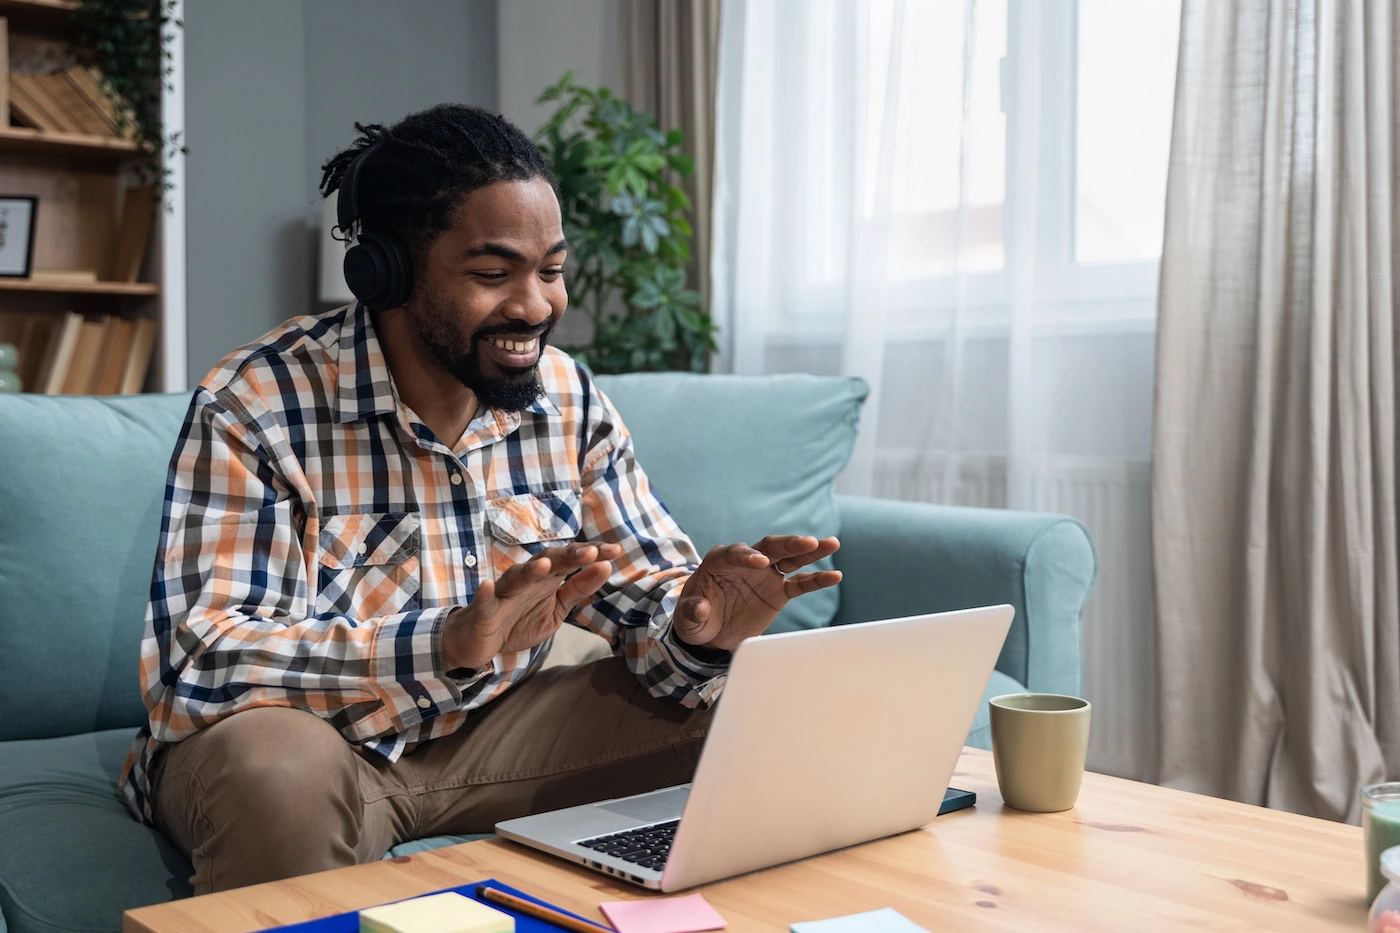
(735, 458)
(82, 483)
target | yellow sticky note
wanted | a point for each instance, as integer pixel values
(449, 912)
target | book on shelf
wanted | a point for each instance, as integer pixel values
(77, 276)
(74, 107)
(88, 81)
(32, 106)
(138, 211)
(4, 69)
(68, 354)
(138, 358)
(33, 340)
(111, 364)
(84, 358)
(67, 101)
(58, 350)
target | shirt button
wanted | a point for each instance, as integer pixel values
(361, 548)
(424, 702)
(469, 560)
(456, 479)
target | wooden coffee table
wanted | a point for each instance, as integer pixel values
(1129, 857)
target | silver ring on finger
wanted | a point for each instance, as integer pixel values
(778, 570)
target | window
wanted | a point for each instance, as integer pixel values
(1123, 112)
(926, 178)
(1067, 134)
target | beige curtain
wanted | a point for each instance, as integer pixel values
(1274, 486)
(669, 51)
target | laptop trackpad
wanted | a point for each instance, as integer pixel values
(662, 805)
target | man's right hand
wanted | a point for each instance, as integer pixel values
(526, 605)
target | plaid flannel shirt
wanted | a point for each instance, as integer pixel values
(316, 534)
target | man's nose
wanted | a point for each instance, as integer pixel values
(528, 305)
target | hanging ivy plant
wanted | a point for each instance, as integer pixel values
(126, 40)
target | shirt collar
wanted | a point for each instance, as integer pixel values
(365, 387)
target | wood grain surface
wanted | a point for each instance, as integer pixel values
(1129, 857)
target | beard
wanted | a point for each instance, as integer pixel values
(509, 388)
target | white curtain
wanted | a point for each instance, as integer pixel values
(894, 199)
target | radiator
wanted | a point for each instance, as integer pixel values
(1112, 499)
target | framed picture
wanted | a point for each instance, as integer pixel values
(17, 234)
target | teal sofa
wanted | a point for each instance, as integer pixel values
(81, 486)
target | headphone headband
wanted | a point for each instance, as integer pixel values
(347, 204)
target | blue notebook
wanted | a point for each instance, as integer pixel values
(350, 922)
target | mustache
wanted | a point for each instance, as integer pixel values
(513, 330)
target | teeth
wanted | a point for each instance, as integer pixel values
(515, 346)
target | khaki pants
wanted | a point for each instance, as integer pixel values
(271, 793)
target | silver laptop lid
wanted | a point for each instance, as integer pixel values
(832, 737)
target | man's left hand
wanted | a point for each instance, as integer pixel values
(739, 590)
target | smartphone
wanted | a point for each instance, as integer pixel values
(955, 799)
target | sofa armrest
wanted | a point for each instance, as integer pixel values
(906, 558)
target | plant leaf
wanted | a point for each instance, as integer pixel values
(622, 204)
(650, 241)
(665, 327)
(683, 164)
(616, 178)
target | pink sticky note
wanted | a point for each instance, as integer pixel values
(689, 914)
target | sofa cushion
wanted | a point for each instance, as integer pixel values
(73, 857)
(735, 458)
(81, 509)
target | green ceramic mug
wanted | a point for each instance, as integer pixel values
(1039, 741)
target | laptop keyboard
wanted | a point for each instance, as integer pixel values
(647, 846)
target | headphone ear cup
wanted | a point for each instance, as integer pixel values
(378, 272)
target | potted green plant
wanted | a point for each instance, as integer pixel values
(625, 217)
(127, 40)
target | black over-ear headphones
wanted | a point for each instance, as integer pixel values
(377, 268)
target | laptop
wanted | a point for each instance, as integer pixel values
(821, 739)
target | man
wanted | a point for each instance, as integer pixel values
(376, 520)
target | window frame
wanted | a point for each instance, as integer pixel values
(1040, 279)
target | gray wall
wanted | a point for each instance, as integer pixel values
(272, 89)
(377, 60)
(246, 197)
(539, 40)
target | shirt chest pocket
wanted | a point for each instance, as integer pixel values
(368, 564)
(526, 524)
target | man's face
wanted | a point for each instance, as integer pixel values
(491, 288)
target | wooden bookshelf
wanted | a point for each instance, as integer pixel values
(24, 139)
(97, 230)
(60, 287)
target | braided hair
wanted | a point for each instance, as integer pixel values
(427, 162)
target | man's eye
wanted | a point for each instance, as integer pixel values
(490, 276)
(552, 274)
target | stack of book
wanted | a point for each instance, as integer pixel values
(69, 354)
(67, 101)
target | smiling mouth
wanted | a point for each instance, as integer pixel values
(515, 346)
(513, 352)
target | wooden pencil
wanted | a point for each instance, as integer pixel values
(539, 912)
